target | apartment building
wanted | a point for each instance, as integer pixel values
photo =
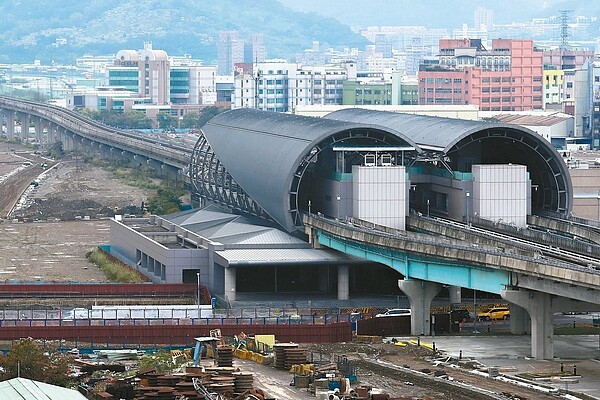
(509, 77)
(569, 61)
(278, 85)
(553, 89)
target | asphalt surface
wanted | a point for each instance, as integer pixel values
(577, 354)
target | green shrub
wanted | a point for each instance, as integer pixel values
(114, 272)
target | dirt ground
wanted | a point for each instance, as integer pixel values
(375, 363)
(51, 251)
(68, 209)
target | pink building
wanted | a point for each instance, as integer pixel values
(506, 78)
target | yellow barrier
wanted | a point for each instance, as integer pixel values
(401, 344)
(417, 343)
(259, 358)
(302, 369)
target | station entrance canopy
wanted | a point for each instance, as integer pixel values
(277, 165)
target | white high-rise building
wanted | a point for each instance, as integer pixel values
(483, 17)
(278, 85)
(230, 51)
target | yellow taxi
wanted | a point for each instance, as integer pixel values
(494, 313)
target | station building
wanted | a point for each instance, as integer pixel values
(268, 169)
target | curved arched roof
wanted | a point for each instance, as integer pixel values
(127, 55)
(154, 55)
(425, 131)
(262, 150)
(448, 136)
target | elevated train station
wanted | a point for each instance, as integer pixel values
(275, 165)
(370, 166)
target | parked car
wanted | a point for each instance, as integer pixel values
(494, 313)
(460, 315)
(395, 312)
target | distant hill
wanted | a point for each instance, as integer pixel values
(60, 31)
(439, 13)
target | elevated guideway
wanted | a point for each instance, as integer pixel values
(512, 239)
(71, 124)
(573, 226)
(536, 283)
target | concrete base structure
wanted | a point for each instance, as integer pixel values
(343, 285)
(230, 284)
(520, 323)
(539, 307)
(420, 294)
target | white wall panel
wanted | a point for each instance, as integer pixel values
(500, 193)
(379, 195)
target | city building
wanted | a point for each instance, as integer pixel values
(359, 163)
(367, 92)
(553, 89)
(483, 17)
(277, 85)
(152, 82)
(596, 104)
(381, 88)
(506, 78)
(147, 73)
(232, 50)
(567, 60)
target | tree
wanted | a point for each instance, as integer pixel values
(166, 201)
(135, 120)
(30, 360)
(56, 151)
(166, 121)
(207, 114)
(190, 120)
(126, 120)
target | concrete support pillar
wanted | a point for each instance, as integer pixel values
(455, 294)
(519, 320)
(50, 132)
(539, 307)
(39, 128)
(343, 282)
(420, 294)
(313, 238)
(230, 284)
(46, 126)
(67, 140)
(24, 120)
(10, 124)
(61, 135)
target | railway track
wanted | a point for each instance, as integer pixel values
(13, 186)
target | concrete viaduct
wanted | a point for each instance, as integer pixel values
(538, 285)
(76, 132)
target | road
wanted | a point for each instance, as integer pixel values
(17, 177)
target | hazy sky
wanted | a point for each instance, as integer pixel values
(431, 13)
